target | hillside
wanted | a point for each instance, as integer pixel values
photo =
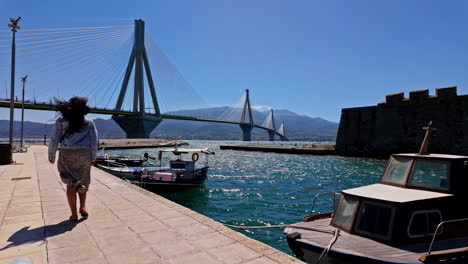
(298, 127)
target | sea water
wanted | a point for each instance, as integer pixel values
(259, 188)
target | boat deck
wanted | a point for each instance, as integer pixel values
(368, 248)
(126, 224)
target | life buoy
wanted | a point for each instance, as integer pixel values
(195, 157)
(159, 155)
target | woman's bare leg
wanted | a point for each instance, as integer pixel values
(82, 201)
(71, 196)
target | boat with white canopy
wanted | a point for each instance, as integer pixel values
(182, 173)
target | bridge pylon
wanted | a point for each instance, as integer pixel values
(282, 132)
(139, 125)
(247, 126)
(271, 120)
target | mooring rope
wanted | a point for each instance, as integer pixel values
(284, 226)
(328, 248)
(264, 187)
(231, 186)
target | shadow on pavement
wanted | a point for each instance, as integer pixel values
(26, 235)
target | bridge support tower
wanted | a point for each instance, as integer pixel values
(246, 132)
(282, 132)
(272, 131)
(271, 135)
(245, 125)
(141, 124)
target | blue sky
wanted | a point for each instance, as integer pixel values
(311, 57)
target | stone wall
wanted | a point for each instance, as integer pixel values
(394, 126)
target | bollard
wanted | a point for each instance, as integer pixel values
(6, 154)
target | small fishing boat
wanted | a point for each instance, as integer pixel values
(180, 175)
(415, 214)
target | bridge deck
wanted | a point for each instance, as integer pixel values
(126, 224)
(101, 111)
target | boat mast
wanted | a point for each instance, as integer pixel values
(424, 150)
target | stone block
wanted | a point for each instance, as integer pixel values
(260, 247)
(210, 240)
(180, 221)
(394, 98)
(145, 227)
(198, 257)
(418, 97)
(74, 254)
(144, 255)
(193, 230)
(446, 91)
(262, 260)
(234, 253)
(140, 218)
(160, 237)
(282, 258)
(117, 239)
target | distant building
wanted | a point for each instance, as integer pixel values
(394, 126)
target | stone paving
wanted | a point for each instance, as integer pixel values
(126, 224)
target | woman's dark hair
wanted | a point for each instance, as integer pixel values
(74, 111)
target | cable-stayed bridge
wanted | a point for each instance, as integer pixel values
(122, 73)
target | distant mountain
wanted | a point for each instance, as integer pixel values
(298, 127)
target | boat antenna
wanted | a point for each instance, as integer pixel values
(425, 144)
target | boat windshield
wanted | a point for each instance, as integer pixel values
(397, 170)
(345, 212)
(430, 174)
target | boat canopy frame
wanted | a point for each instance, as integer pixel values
(186, 151)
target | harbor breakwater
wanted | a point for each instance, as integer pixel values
(129, 143)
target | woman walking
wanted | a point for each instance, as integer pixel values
(78, 141)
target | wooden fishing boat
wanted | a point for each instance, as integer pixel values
(179, 175)
(415, 214)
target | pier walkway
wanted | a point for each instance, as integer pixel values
(126, 224)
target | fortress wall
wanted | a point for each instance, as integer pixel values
(394, 126)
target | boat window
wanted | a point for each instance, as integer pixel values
(397, 169)
(424, 223)
(375, 220)
(344, 215)
(178, 165)
(430, 173)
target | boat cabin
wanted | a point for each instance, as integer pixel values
(185, 169)
(182, 165)
(415, 193)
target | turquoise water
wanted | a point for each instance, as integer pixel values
(256, 188)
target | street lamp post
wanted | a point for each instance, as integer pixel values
(23, 79)
(14, 26)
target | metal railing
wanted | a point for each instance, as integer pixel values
(437, 231)
(321, 194)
